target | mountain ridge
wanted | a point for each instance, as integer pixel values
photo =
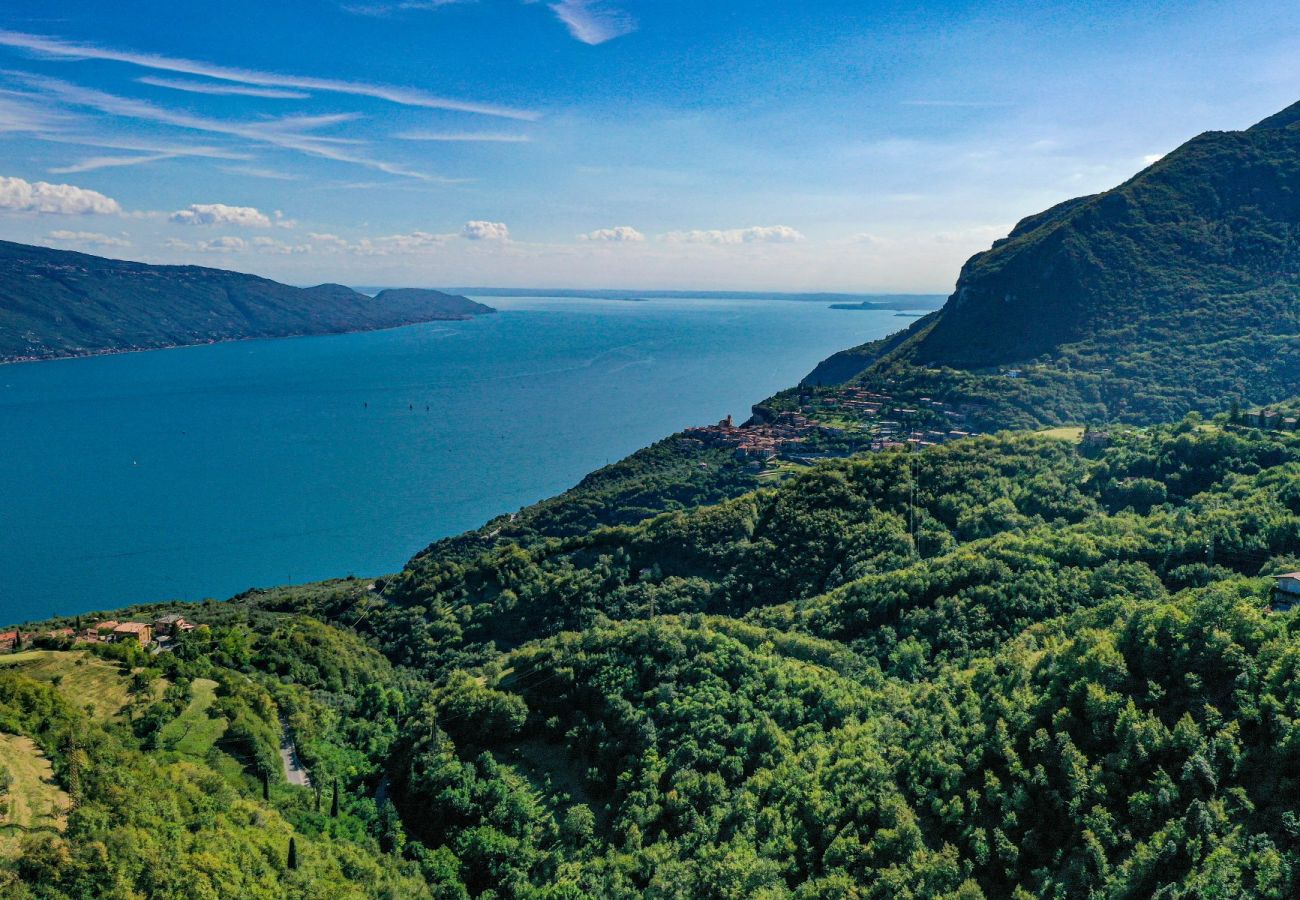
(1184, 275)
(61, 303)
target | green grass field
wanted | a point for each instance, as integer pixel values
(86, 680)
(1065, 433)
(194, 732)
(32, 802)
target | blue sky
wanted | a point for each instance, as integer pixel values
(590, 143)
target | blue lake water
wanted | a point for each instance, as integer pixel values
(202, 471)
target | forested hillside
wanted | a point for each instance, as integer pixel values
(1024, 664)
(58, 303)
(1017, 665)
(1172, 292)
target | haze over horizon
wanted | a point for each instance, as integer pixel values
(846, 147)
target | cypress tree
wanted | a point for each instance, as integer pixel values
(292, 862)
(334, 804)
(266, 786)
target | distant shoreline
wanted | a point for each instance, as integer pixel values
(889, 300)
(119, 351)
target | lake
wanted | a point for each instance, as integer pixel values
(203, 471)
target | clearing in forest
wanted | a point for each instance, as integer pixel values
(30, 801)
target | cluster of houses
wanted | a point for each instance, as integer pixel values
(884, 425)
(109, 631)
(759, 441)
(1271, 419)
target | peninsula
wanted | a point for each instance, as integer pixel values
(56, 303)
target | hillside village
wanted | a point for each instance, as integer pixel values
(836, 423)
(156, 634)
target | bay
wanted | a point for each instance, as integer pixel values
(202, 471)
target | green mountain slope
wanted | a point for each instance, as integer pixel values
(57, 303)
(1010, 666)
(1173, 291)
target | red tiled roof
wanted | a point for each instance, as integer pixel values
(131, 627)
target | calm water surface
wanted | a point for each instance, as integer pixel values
(203, 471)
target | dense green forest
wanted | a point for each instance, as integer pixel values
(1013, 665)
(59, 303)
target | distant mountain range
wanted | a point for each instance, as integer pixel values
(1177, 290)
(56, 303)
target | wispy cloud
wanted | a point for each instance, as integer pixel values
(959, 104)
(388, 7)
(260, 172)
(593, 21)
(231, 90)
(19, 195)
(759, 234)
(110, 162)
(622, 234)
(290, 133)
(71, 50)
(87, 238)
(468, 136)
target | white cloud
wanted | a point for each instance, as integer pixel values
(271, 245)
(387, 245)
(759, 234)
(1151, 158)
(593, 21)
(60, 49)
(485, 231)
(62, 199)
(328, 240)
(93, 238)
(622, 234)
(221, 214)
(226, 244)
(232, 90)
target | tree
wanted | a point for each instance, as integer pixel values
(292, 861)
(334, 803)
